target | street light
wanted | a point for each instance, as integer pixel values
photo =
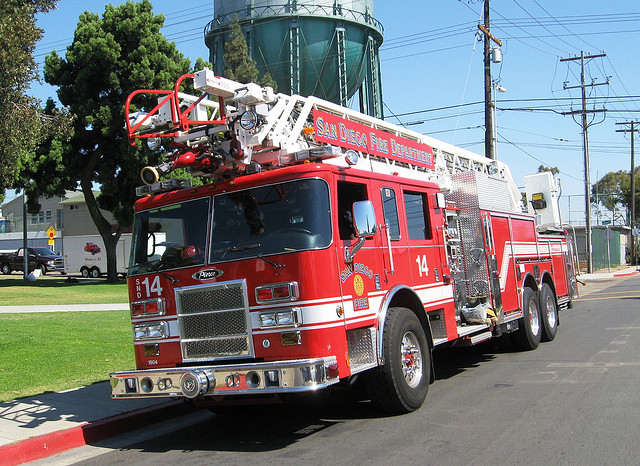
(494, 140)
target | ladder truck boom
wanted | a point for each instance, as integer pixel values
(232, 128)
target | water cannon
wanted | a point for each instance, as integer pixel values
(203, 162)
(151, 175)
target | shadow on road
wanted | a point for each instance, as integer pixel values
(269, 428)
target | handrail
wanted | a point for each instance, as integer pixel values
(295, 10)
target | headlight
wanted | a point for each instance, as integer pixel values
(267, 319)
(248, 120)
(154, 143)
(281, 318)
(150, 331)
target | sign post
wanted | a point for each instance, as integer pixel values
(51, 233)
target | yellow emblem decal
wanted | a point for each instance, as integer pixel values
(358, 285)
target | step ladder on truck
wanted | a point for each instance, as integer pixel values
(324, 245)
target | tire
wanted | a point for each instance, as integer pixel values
(530, 332)
(84, 271)
(401, 385)
(43, 269)
(548, 313)
(6, 269)
(94, 272)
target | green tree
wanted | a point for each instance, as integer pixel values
(613, 191)
(20, 124)
(554, 170)
(242, 67)
(110, 57)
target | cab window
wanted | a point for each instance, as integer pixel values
(390, 209)
(348, 193)
(415, 206)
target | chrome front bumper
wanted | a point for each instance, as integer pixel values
(260, 378)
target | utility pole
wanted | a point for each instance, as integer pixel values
(488, 102)
(632, 130)
(585, 145)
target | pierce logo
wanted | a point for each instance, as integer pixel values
(207, 274)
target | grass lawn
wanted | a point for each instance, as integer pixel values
(41, 352)
(55, 289)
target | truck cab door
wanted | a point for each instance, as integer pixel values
(359, 255)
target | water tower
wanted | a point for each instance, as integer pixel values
(325, 48)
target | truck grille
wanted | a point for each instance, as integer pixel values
(214, 321)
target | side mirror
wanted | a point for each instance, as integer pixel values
(364, 219)
(364, 222)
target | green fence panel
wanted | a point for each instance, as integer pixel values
(605, 244)
(599, 248)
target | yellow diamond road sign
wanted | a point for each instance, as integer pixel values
(51, 233)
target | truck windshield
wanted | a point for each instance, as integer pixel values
(42, 251)
(273, 219)
(170, 237)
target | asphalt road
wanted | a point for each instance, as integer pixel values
(572, 401)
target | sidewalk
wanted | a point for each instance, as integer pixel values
(41, 426)
(64, 308)
(621, 271)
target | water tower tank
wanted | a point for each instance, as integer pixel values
(325, 48)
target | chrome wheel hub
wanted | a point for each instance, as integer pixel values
(411, 359)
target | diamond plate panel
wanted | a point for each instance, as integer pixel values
(362, 352)
(464, 193)
(438, 325)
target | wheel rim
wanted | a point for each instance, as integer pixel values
(411, 359)
(534, 317)
(551, 312)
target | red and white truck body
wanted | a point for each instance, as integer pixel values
(327, 244)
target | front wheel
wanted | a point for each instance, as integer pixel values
(43, 269)
(401, 385)
(549, 311)
(528, 335)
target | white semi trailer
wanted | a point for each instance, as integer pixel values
(86, 254)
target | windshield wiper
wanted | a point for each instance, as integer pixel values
(277, 266)
(237, 248)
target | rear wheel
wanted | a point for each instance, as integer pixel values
(401, 385)
(528, 335)
(6, 269)
(84, 271)
(549, 313)
(95, 272)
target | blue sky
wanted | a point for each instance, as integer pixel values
(431, 59)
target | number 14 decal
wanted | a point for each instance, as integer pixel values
(423, 268)
(149, 288)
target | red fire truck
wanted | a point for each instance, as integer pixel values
(325, 245)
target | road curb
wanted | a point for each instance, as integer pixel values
(626, 274)
(46, 445)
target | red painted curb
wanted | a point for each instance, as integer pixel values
(46, 445)
(627, 274)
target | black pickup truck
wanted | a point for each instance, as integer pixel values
(39, 258)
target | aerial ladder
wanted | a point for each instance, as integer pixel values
(233, 128)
